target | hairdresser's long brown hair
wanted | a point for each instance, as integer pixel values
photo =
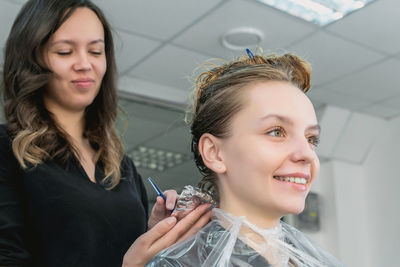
(36, 135)
(218, 97)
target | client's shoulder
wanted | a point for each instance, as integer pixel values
(192, 251)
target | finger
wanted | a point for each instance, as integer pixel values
(159, 207)
(204, 219)
(157, 232)
(139, 253)
(171, 196)
(181, 228)
(181, 214)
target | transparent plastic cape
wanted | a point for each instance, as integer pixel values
(233, 241)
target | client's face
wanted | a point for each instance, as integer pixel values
(270, 156)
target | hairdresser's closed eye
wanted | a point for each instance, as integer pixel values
(64, 53)
(96, 52)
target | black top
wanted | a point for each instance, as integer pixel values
(55, 216)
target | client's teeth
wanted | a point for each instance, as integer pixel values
(297, 180)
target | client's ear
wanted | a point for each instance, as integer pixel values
(209, 148)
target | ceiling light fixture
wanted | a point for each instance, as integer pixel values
(320, 12)
(156, 159)
(242, 38)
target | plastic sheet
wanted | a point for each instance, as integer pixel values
(233, 241)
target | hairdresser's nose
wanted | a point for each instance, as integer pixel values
(82, 62)
(302, 150)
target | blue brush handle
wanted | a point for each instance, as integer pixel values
(159, 192)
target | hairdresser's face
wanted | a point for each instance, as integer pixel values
(76, 56)
(272, 140)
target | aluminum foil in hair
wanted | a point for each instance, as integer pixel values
(190, 198)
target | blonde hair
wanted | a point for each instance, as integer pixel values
(218, 97)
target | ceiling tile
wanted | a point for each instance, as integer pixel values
(332, 57)
(146, 122)
(376, 82)
(159, 19)
(375, 25)
(328, 96)
(393, 102)
(171, 66)
(279, 28)
(152, 112)
(382, 111)
(129, 49)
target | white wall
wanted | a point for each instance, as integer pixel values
(324, 187)
(360, 201)
(381, 178)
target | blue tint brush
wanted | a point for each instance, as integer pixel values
(159, 191)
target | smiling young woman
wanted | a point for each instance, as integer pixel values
(69, 196)
(254, 133)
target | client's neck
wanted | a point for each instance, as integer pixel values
(255, 214)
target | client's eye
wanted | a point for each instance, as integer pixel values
(278, 132)
(314, 140)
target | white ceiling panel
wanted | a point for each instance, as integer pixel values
(327, 95)
(382, 111)
(153, 113)
(170, 65)
(129, 49)
(376, 26)
(332, 57)
(393, 102)
(279, 28)
(155, 18)
(377, 82)
(146, 123)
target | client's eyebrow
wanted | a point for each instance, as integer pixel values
(287, 120)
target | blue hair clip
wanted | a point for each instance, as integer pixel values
(249, 53)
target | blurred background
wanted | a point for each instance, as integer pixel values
(354, 211)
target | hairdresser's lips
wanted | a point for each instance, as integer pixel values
(83, 83)
(297, 180)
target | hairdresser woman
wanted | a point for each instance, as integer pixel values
(68, 195)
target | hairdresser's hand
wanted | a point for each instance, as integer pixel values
(162, 210)
(164, 234)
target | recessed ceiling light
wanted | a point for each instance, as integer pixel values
(156, 159)
(320, 12)
(242, 38)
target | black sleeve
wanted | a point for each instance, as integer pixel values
(12, 250)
